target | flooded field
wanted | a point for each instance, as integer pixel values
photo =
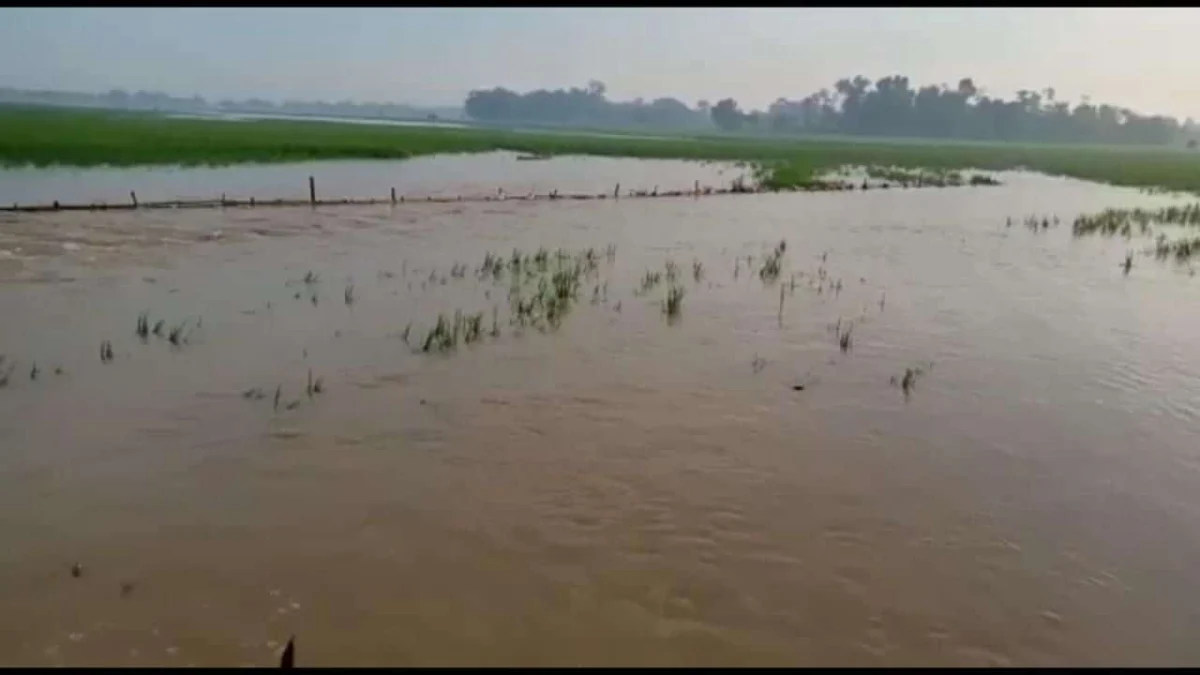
(436, 175)
(949, 441)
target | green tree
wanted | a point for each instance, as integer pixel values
(726, 116)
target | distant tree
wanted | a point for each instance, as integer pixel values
(587, 107)
(726, 116)
(118, 97)
(966, 88)
(888, 106)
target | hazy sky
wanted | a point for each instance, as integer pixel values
(1146, 59)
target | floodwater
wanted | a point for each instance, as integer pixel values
(433, 175)
(626, 489)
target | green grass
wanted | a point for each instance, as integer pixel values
(76, 137)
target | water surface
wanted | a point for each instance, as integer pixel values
(624, 490)
(437, 175)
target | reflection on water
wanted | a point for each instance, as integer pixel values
(622, 490)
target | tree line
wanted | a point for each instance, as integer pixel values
(581, 107)
(890, 106)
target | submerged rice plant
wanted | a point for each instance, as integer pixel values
(673, 305)
(773, 264)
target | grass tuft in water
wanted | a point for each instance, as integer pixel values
(846, 338)
(176, 336)
(673, 305)
(773, 264)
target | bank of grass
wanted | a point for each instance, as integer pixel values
(76, 137)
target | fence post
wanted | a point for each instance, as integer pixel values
(312, 191)
(393, 196)
(133, 198)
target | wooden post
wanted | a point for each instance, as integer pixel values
(393, 196)
(697, 187)
(222, 200)
(617, 191)
(252, 202)
(312, 191)
(55, 204)
(133, 198)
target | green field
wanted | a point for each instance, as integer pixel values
(76, 137)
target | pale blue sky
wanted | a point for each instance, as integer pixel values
(1147, 59)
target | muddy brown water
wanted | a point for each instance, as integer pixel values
(623, 490)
